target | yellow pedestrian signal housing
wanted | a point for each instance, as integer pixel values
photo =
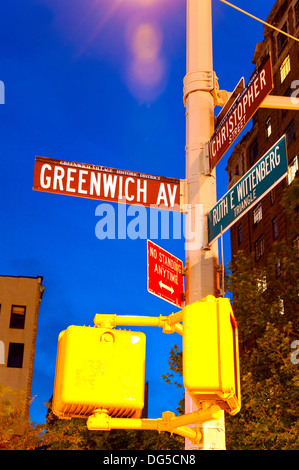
(211, 354)
(99, 368)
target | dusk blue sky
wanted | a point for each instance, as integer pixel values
(74, 91)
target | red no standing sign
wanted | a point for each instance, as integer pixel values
(164, 275)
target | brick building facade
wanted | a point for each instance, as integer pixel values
(20, 299)
(265, 223)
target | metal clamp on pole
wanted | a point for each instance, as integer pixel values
(199, 81)
(206, 158)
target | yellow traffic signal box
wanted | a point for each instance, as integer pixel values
(99, 368)
(211, 354)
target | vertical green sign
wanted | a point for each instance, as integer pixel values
(260, 179)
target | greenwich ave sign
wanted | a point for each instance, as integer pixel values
(260, 179)
(106, 184)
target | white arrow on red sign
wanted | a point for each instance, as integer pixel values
(170, 289)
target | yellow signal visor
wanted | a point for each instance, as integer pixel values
(211, 354)
(99, 368)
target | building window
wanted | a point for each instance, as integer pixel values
(240, 234)
(15, 355)
(292, 170)
(275, 228)
(17, 317)
(257, 213)
(259, 248)
(290, 132)
(272, 196)
(278, 269)
(268, 127)
(281, 306)
(285, 68)
(262, 284)
(282, 38)
(253, 152)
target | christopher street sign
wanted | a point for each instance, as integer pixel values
(164, 275)
(240, 112)
(106, 184)
(260, 179)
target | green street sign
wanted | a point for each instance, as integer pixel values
(260, 179)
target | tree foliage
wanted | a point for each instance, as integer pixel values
(16, 431)
(265, 302)
(175, 363)
(270, 393)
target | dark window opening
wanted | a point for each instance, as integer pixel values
(15, 355)
(17, 317)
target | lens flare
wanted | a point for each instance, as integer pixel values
(146, 71)
(146, 2)
(146, 42)
(147, 74)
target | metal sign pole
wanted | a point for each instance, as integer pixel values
(201, 188)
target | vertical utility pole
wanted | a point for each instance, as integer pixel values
(201, 186)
